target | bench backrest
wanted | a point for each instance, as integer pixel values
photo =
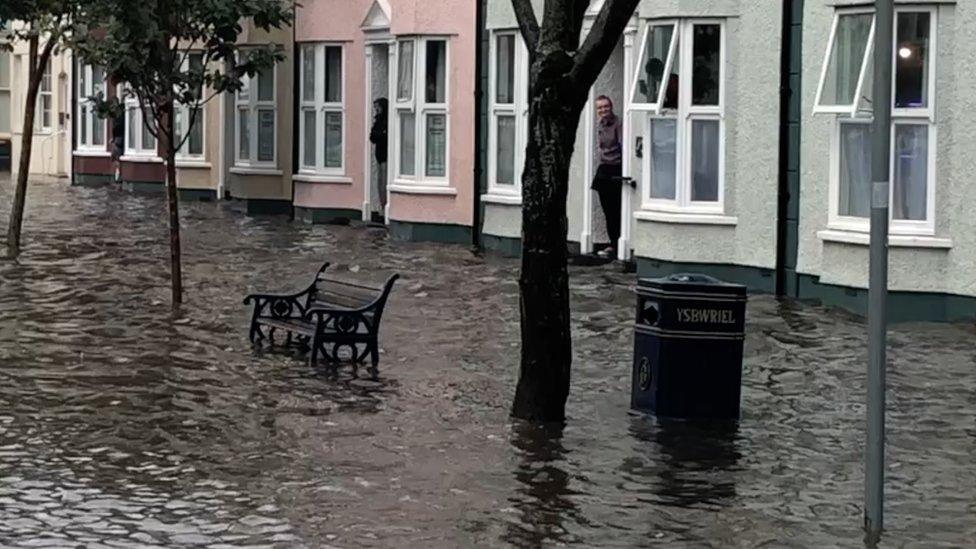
(349, 295)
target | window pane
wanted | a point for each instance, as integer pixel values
(663, 158)
(912, 64)
(704, 160)
(435, 72)
(148, 141)
(846, 57)
(4, 111)
(505, 69)
(5, 69)
(194, 145)
(46, 111)
(98, 129)
(910, 193)
(46, 78)
(333, 74)
(245, 92)
(505, 159)
(244, 134)
(266, 85)
(408, 147)
(855, 170)
(333, 139)
(309, 136)
(308, 73)
(82, 125)
(436, 145)
(266, 135)
(706, 60)
(405, 72)
(132, 123)
(98, 81)
(82, 77)
(655, 58)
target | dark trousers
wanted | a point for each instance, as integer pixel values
(609, 190)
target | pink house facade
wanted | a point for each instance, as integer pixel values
(419, 59)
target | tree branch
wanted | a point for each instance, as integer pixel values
(528, 24)
(601, 41)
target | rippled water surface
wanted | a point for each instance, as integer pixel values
(124, 424)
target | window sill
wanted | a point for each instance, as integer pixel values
(193, 164)
(420, 188)
(322, 178)
(249, 170)
(894, 240)
(141, 158)
(91, 153)
(686, 218)
(499, 198)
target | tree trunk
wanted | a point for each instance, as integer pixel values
(173, 198)
(35, 73)
(547, 353)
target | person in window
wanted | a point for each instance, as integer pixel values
(607, 180)
(378, 137)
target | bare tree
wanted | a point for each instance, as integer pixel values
(561, 73)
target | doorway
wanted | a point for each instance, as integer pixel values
(377, 146)
(611, 84)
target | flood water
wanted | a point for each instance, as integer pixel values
(125, 425)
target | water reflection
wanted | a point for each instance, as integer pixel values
(543, 498)
(689, 464)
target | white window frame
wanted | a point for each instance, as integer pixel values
(183, 111)
(45, 91)
(418, 105)
(684, 116)
(252, 106)
(322, 109)
(899, 117)
(519, 109)
(669, 63)
(868, 53)
(86, 138)
(133, 119)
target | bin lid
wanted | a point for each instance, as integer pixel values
(691, 283)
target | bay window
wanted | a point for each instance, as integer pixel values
(845, 91)
(322, 120)
(256, 121)
(508, 129)
(421, 142)
(90, 128)
(44, 119)
(192, 148)
(679, 85)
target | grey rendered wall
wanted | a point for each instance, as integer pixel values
(752, 67)
(911, 269)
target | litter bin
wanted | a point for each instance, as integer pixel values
(688, 347)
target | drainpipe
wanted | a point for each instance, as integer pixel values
(479, 93)
(783, 195)
(221, 130)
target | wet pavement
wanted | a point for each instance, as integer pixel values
(122, 424)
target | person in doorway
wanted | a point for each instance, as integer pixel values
(607, 180)
(378, 137)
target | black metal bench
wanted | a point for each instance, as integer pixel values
(335, 319)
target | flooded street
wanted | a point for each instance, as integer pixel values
(125, 425)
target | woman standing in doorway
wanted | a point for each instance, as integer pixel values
(378, 137)
(607, 180)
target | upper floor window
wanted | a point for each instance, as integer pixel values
(680, 85)
(508, 130)
(846, 90)
(421, 143)
(90, 127)
(256, 120)
(323, 112)
(193, 146)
